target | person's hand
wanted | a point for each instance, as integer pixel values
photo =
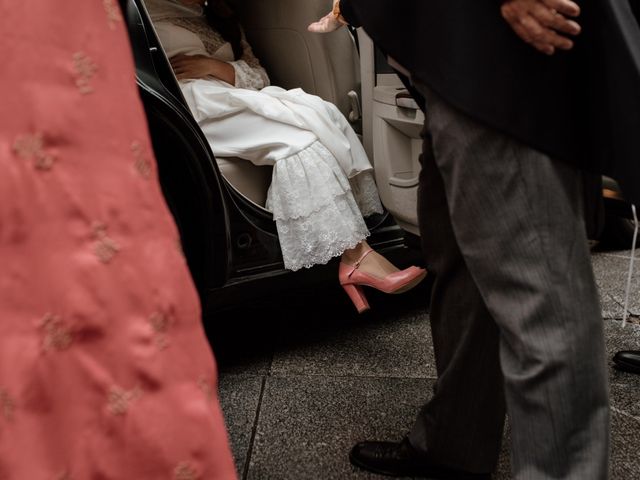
(192, 66)
(329, 22)
(544, 24)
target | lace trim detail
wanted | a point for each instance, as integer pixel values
(316, 214)
(249, 72)
(248, 77)
(365, 192)
(304, 183)
(316, 239)
(211, 39)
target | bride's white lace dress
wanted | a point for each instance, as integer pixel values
(322, 182)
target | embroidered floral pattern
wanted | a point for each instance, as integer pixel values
(179, 248)
(120, 400)
(206, 387)
(7, 405)
(105, 247)
(113, 14)
(84, 68)
(141, 162)
(160, 325)
(31, 147)
(184, 471)
(57, 336)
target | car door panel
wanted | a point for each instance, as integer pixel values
(392, 123)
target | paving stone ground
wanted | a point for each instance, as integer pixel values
(299, 391)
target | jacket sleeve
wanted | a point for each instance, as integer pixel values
(348, 13)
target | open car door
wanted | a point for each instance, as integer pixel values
(391, 123)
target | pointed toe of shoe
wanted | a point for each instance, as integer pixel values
(628, 361)
(397, 282)
(411, 273)
(406, 279)
(401, 459)
(357, 451)
(372, 456)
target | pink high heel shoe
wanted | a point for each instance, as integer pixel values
(352, 280)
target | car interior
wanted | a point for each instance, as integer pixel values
(343, 68)
(228, 237)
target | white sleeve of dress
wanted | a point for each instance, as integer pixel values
(249, 72)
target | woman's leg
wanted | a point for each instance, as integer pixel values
(363, 267)
(372, 264)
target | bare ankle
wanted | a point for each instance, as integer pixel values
(354, 254)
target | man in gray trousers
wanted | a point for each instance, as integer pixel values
(522, 97)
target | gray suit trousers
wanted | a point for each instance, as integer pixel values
(515, 313)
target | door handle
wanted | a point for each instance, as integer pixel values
(405, 100)
(356, 111)
(404, 182)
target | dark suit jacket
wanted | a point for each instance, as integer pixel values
(581, 106)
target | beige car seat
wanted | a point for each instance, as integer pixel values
(323, 65)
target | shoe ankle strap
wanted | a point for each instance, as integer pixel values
(356, 265)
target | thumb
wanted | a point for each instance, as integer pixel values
(316, 27)
(326, 24)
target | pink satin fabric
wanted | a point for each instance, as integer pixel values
(105, 372)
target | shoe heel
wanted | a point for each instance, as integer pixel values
(356, 294)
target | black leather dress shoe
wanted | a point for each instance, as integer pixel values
(628, 361)
(400, 459)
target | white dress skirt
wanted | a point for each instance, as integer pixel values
(322, 184)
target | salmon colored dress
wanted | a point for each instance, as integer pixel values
(105, 371)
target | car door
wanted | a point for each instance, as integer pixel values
(229, 238)
(223, 234)
(391, 123)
